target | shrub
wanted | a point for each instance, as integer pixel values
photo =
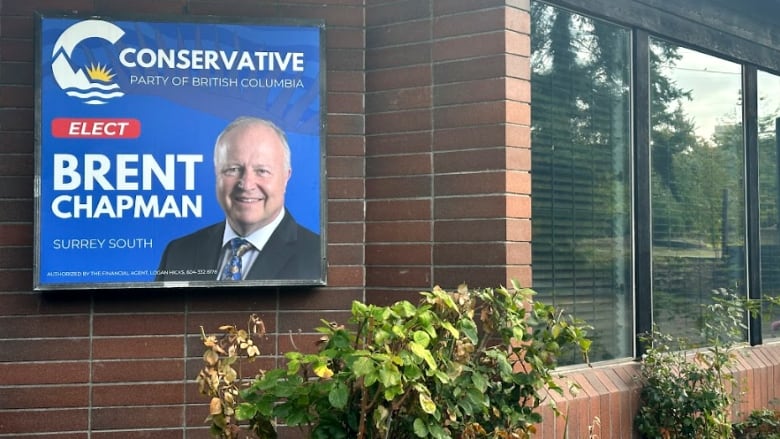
(466, 364)
(760, 424)
(687, 395)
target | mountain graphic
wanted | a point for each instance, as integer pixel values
(76, 83)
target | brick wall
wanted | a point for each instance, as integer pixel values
(447, 145)
(121, 364)
(428, 162)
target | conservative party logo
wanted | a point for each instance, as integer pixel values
(91, 82)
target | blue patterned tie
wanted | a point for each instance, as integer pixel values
(238, 246)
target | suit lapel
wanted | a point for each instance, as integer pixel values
(276, 252)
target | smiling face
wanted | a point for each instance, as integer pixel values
(252, 172)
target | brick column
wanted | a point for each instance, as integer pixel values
(448, 144)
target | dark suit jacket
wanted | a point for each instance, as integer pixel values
(292, 252)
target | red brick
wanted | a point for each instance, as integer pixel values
(442, 8)
(17, 50)
(139, 301)
(486, 182)
(398, 210)
(482, 230)
(16, 234)
(398, 165)
(137, 370)
(398, 254)
(397, 11)
(142, 347)
(345, 38)
(398, 231)
(115, 418)
(44, 326)
(17, 143)
(474, 21)
(401, 77)
(481, 159)
(398, 121)
(351, 188)
(397, 143)
(141, 434)
(345, 167)
(138, 324)
(345, 145)
(482, 113)
(398, 99)
(346, 81)
(478, 91)
(398, 56)
(470, 46)
(398, 33)
(343, 254)
(34, 397)
(50, 420)
(44, 349)
(386, 297)
(16, 26)
(60, 372)
(485, 67)
(459, 138)
(16, 187)
(347, 210)
(346, 59)
(331, 299)
(140, 7)
(137, 394)
(519, 19)
(17, 73)
(472, 207)
(334, 15)
(17, 165)
(518, 44)
(28, 7)
(472, 254)
(474, 276)
(16, 210)
(345, 103)
(19, 96)
(399, 277)
(345, 233)
(399, 187)
(345, 124)
(16, 119)
(518, 67)
(351, 276)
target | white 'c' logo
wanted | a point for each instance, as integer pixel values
(92, 84)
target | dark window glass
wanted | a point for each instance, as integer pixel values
(581, 173)
(769, 193)
(697, 184)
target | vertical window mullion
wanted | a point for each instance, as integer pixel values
(642, 214)
(750, 121)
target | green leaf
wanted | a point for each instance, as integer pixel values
(469, 328)
(448, 326)
(338, 395)
(423, 353)
(422, 338)
(245, 411)
(427, 404)
(362, 367)
(420, 429)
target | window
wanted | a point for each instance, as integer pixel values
(581, 178)
(697, 192)
(644, 156)
(768, 89)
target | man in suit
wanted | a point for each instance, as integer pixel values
(259, 239)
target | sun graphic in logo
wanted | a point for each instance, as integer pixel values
(100, 73)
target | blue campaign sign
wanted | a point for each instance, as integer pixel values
(151, 131)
